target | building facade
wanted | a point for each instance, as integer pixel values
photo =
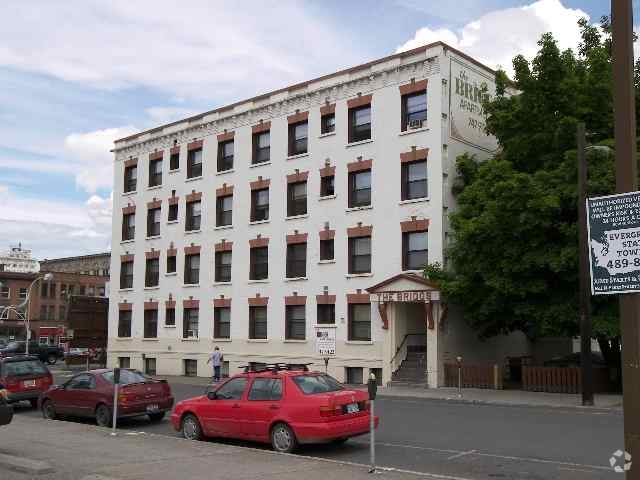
(97, 264)
(18, 259)
(249, 226)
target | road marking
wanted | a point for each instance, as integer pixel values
(461, 454)
(491, 455)
(576, 470)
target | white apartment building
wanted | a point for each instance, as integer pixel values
(248, 226)
(18, 259)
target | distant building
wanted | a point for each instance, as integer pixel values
(18, 259)
(96, 264)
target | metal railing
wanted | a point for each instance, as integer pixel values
(401, 351)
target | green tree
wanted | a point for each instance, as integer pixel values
(514, 259)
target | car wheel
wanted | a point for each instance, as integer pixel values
(33, 402)
(191, 429)
(52, 359)
(103, 416)
(156, 417)
(48, 410)
(283, 439)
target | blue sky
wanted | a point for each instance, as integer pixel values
(108, 69)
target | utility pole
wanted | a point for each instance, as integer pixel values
(627, 181)
(585, 295)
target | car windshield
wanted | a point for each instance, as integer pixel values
(24, 368)
(310, 384)
(15, 345)
(127, 377)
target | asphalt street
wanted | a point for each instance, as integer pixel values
(462, 441)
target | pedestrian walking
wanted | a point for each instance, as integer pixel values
(216, 360)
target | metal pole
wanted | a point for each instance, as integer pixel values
(115, 408)
(585, 303)
(627, 181)
(88, 362)
(372, 438)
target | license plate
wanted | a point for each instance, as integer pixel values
(29, 383)
(153, 408)
(353, 408)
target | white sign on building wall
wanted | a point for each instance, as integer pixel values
(469, 87)
(326, 341)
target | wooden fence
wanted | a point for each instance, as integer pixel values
(474, 376)
(561, 379)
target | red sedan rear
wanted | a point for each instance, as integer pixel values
(281, 407)
(90, 394)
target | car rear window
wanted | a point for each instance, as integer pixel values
(127, 377)
(310, 384)
(24, 368)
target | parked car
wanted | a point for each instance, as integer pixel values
(46, 353)
(76, 352)
(24, 377)
(90, 394)
(278, 405)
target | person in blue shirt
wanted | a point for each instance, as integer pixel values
(216, 359)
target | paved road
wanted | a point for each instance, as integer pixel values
(464, 441)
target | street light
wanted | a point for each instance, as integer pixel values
(47, 277)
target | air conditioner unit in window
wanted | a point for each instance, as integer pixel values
(413, 124)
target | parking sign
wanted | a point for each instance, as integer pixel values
(326, 341)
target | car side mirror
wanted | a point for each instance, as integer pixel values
(212, 395)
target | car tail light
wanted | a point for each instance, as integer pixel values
(330, 411)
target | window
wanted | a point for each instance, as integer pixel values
(327, 186)
(22, 293)
(130, 178)
(354, 375)
(414, 250)
(128, 226)
(360, 322)
(360, 255)
(298, 138)
(5, 292)
(259, 263)
(223, 267)
(43, 312)
(52, 290)
(153, 222)
(192, 269)
(414, 180)
(101, 291)
(265, 389)
(124, 323)
(190, 323)
(62, 313)
(359, 123)
(150, 323)
(83, 288)
(152, 272)
(194, 163)
(233, 389)
(225, 156)
(194, 214)
(296, 260)
(260, 205)
(190, 368)
(90, 290)
(326, 314)
(414, 110)
(258, 322)
(317, 384)
(150, 366)
(224, 210)
(126, 276)
(124, 362)
(326, 249)
(377, 372)
(360, 188)
(261, 147)
(155, 172)
(328, 123)
(81, 382)
(173, 212)
(296, 199)
(171, 264)
(295, 322)
(174, 161)
(222, 322)
(170, 316)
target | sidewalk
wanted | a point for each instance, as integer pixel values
(54, 450)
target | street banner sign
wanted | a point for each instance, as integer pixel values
(326, 341)
(613, 223)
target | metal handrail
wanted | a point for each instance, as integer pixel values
(403, 344)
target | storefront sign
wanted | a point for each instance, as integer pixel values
(614, 243)
(404, 296)
(326, 341)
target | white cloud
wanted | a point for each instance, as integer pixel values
(93, 160)
(498, 36)
(161, 115)
(199, 48)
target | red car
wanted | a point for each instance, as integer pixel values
(90, 394)
(281, 406)
(24, 378)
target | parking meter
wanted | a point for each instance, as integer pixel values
(116, 376)
(372, 386)
(116, 382)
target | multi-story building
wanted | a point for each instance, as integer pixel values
(96, 264)
(18, 259)
(315, 205)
